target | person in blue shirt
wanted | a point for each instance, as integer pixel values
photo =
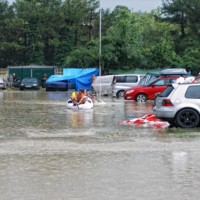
(9, 82)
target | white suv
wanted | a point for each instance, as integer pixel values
(179, 104)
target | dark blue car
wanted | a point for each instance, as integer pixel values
(57, 86)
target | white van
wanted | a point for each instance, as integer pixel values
(103, 84)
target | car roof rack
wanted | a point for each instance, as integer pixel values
(176, 71)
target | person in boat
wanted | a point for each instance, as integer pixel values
(80, 98)
(87, 94)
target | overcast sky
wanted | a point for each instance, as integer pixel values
(143, 5)
(136, 5)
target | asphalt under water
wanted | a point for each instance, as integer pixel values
(50, 152)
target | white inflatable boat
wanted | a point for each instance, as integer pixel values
(86, 106)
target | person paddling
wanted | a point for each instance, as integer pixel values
(88, 94)
(80, 98)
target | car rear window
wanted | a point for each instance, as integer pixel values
(167, 91)
(120, 79)
(131, 79)
(193, 92)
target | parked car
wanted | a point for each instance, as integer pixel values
(103, 84)
(147, 92)
(179, 104)
(122, 82)
(2, 83)
(17, 83)
(56, 86)
(29, 83)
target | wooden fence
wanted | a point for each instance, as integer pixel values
(4, 73)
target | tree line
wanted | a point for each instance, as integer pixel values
(66, 34)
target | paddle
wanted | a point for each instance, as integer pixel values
(98, 99)
(74, 95)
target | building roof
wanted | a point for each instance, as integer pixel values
(32, 66)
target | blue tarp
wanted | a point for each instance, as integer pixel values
(72, 71)
(81, 79)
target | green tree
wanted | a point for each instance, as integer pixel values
(175, 13)
(162, 55)
(10, 35)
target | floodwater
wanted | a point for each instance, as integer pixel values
(50, 152)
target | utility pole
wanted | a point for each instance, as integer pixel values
(90, 23)
(100, 42)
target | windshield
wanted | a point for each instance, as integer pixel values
(151, 82)
(30, 80)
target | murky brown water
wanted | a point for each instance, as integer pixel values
(49, 152)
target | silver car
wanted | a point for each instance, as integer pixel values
(123, 82)
(2, 83)
(103, 84)
(179, 104)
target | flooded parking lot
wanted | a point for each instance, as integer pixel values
(50, 152)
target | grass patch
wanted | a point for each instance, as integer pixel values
(186, 136)
(180, 135)
(177, 130)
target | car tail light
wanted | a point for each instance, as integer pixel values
(114, 81)
(1, 83)
(167, 102)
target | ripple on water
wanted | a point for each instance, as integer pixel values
(50, 152)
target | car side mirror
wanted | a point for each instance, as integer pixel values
(153, 85)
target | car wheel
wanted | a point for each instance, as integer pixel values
(141, 98)
(187, 118)
(120, 93)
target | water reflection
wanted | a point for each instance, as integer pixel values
(50, 152)
(57, 96)
(81, 118)
(138, 109)
(1, 95)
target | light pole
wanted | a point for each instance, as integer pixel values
(100, 41)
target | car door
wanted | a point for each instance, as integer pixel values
(120, 82)
(192, 95)
(158, 88)
(131, 81)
